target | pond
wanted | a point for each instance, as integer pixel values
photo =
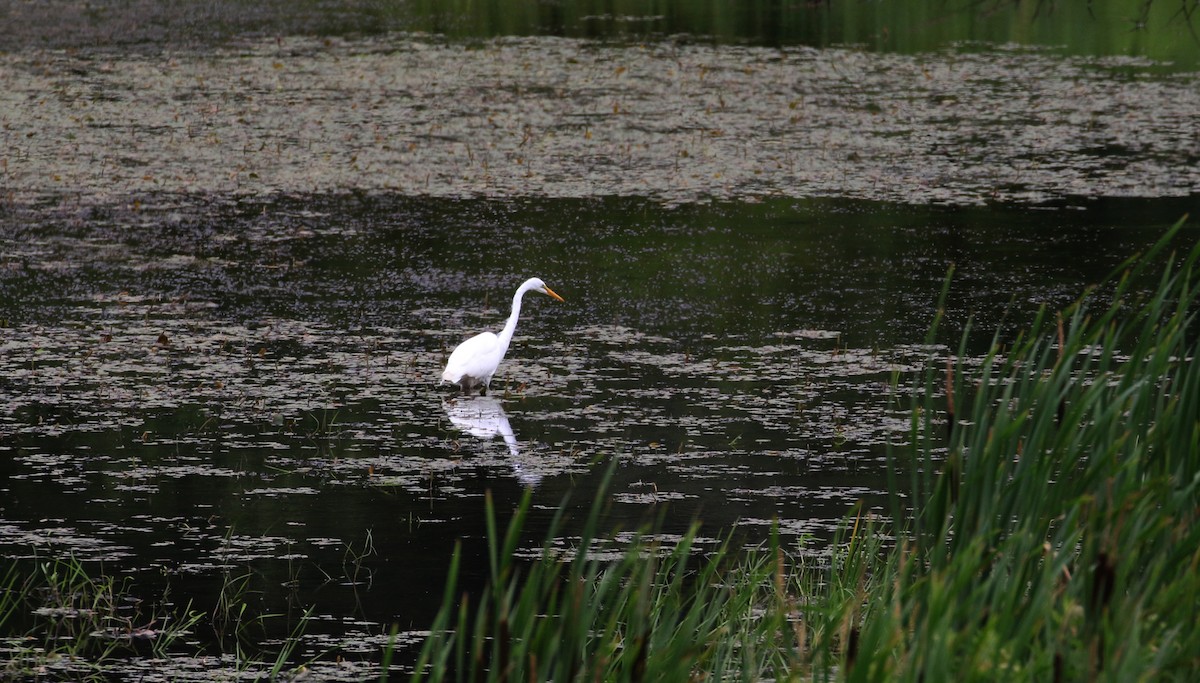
(230, 278)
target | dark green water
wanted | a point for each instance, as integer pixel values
(233, 258)
(1158, 30)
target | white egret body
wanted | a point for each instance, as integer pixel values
(474, 361)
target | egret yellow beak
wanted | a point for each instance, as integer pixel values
(551, 293)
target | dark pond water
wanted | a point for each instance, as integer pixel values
(229, 277)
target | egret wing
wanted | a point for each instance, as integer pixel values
(476, 357)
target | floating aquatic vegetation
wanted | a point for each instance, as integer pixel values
(552, 117)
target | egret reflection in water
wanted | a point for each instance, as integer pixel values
(484, 417)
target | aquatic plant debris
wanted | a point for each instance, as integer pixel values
(556, 117)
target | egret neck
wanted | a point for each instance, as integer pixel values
(510, 327)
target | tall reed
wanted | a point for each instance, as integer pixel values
(1054, 533)
(583, 616)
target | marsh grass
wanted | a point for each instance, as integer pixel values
(59, 617)
(63, 619)
(242, 630)
(1054, 534)
(1044, 527)
(583, 615)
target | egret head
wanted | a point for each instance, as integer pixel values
(536, 284)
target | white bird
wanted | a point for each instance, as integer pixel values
(474, 361)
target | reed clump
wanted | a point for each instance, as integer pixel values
(1054, 535)
(1045, 526)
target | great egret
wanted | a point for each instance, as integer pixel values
(474, 361)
